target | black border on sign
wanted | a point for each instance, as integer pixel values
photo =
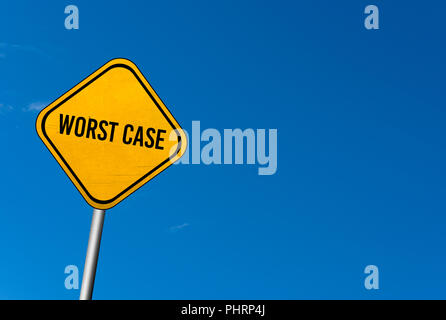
(117, 65)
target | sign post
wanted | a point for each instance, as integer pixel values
(111, 134)
(91, 260)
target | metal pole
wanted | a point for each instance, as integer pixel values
(91, 260)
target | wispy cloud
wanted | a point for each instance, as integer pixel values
(35, 106)
(178, 227)
(20, 47)
(5, 107)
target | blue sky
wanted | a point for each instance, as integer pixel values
(361, 151)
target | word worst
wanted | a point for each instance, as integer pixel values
(105, 130)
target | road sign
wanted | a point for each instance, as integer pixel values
(111, 133)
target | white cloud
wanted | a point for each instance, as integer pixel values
(5, 107)
(11, 49)
(178, 227)
(35, 106)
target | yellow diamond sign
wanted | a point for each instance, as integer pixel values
(111, 133)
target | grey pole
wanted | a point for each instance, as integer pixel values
(91, 260)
